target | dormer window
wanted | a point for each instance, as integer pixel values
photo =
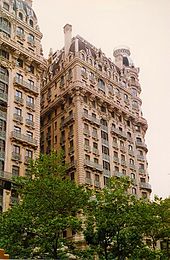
(31, 23)
(20, 15)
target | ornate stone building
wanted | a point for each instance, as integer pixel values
(91, 108)
(21, 64)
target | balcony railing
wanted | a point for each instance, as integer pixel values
(141, 145)
(88, 181)
(141, 170)
(2, 134)
(115, 159)
(93, 165)
(87, 148)
(29, 122)
(6, 175)
(132, 166)
(19, 100)
(26, 85)
(115, 145)
(18, 118)
(118, 174)
(105, 142)
(106, 157)
(140, 157)
(123, 162)
(118, 132)
(106, 172)
(86, 131)
(4, 78)
(30, 105)
(67, 120)
(24, 138)
(16, 156)
(131, 152)
(104, 128)
(97, 184)
(2, 155)
(145, 185)
(3, 115)
(95, 151)
(91, 119)
(4, 96)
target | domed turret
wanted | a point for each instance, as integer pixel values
(122, 57)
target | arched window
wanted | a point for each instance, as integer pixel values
(31, 23)
(83, 56)
(134, 92)
(134, 104)
(134, 191)
(5, 26)
(20, 15)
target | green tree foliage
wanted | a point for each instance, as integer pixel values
(50, 204)
(117, 223)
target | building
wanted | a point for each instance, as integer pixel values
(21, 64)
(91, 108)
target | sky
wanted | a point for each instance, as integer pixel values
(144, 26)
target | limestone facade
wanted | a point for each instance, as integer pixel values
(91, 108)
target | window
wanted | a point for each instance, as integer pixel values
(129, 135)
(30, 117)
(19, 63)
(134, 104)
(31, 23)
(138, 140)
(137, 128)
(5, 26)
(123, 157)
(144, 195)
(16, 149)
(17, 129)
(104, 135)
(20, 15)
(30, 134)
(28, 153)
(115, 154)
(87, 157)
(4, 54)
(105, 150)
(86, 142)
(134, 92)
(30, 100)
(31, 82)
(31, 38)
(20, 31)
(18, 111)
(19, 77)
(15, 170)
(96, 160)
(106, 165)
(101, 85)
(95, 145)
(103, 122)
(132, 176)
(134, 191)
(106, 180)
(93, 115)
(6, 6)
(86, 127)
(141, 166)
(94, 131)
(128, 123)
(83, 70)
(85, 111)
(126, 98)
(142, 180)
(93, 104)
(131, 161)
(130, 147)
(18, 94)
(96, 177)
(88, 175)
(103, 109)
(140, 152)
(31, 69)
(85, 99)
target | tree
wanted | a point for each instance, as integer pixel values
(49, 206)
(117, 223)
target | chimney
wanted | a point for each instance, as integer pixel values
(67, 38)
(29, 2)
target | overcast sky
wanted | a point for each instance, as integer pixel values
(144, 26)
